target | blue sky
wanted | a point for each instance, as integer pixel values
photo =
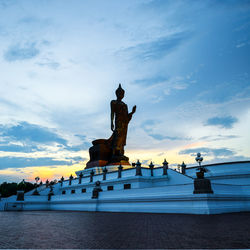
(185, 64)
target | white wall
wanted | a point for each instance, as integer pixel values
(237, 173)
(172, 193)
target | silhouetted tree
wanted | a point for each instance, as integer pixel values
(8, 189)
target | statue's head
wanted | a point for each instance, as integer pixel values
(120, 92)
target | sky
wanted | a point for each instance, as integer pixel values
(185, 64)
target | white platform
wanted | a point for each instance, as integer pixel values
(171, 193)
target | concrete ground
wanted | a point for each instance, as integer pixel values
(54, 229)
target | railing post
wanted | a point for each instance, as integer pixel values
(165, 167)
(80, 178)
(70, 179)
(62, 179)
(138, 168)
(120, 171)
(151, 166)
(104, 173)
(91, 175)
(183, 168)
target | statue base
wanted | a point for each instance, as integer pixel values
(86, 172)
(99, 163)
(101, 155)
(202, 186)
(122, 162)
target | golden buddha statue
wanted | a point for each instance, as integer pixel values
(111, 151)
(119, 111)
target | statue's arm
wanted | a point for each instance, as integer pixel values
(112, 115)
(131, 113)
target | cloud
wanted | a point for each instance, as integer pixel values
(26, 138)
(218, 137)
(27, 132)
(21, 52)
(22, 162)
(83, 146)
(19, 148)
(76, 159)
(148, 126)
(49, 63)
(231, 4)
(35, 22)
(156, 49)
(151, 81)
(160, 137)
(223, 122)
(216, 152)
(6, 3)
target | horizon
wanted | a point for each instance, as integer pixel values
(184, 64)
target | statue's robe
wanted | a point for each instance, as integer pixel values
(122, 119)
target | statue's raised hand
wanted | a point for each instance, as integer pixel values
(134, 109)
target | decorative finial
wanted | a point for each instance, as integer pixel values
(183, 168)
(165, 162)
(138, 168)
(165, 167)
(151, 165)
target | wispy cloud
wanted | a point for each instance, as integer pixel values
(216, 152)
(218, 137)
(160, 137)
(156, 49)
(20, 52)
(223, 122)
(149, 125)
(76, 159)
(49, 63)
(151, 81)
(34, 21)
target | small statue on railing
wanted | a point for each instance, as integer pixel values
(201, 185)
(96, 190)
(201, 169)
(36, 191)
